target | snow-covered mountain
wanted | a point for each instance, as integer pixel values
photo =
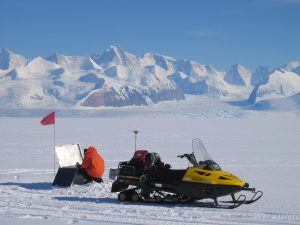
(293, 66)
(129, 80)
(260, 75)
(115, 56)
(165, 62)
(61, 59)
(238, 75)
(198, 79)
(10, 60)
(280, 84)
(119, 78)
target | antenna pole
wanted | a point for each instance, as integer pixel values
(135, 139)
(135, 142)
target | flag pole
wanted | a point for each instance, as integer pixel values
(49, 120)
(54, 153)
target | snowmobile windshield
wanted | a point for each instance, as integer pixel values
(210, 165)
(200, 151)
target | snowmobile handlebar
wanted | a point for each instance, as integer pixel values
(191, 158)
(182, 156)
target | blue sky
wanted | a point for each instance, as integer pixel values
(217, 32)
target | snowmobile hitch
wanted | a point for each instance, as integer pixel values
(248, 189)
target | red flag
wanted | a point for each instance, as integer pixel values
(48, 120)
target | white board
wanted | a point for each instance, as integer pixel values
(68, 155)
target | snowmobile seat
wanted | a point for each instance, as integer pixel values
(138, 161)
(134, 167)
(161, 172)
(163, 175)
(153, 160)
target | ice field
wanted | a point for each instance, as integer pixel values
(264, 152)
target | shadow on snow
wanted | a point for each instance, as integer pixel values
(48, 186)
(30, 186)
(85, 199)
(117, 202)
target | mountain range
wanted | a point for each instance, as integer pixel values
(117, 78)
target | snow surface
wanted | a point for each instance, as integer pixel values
(263, 152)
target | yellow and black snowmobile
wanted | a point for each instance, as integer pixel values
(146, 178)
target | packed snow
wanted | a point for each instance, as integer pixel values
(261, 151)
